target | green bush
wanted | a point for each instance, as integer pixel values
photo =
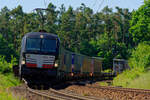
(140, 56)
(6, 67)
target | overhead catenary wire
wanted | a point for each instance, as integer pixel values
(100, 5)
(94, 3)
(17, 3)
(45, 3)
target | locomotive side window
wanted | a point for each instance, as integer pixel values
(33, 44)
(48, 45)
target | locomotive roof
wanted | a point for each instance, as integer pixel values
(38, 34)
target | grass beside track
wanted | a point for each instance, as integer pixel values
(142, 82)
(7, 81)
(125, 78)
(133, 79)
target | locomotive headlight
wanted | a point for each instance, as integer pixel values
(23, 59)
(22, 62)
(41, 36)
(56, 64)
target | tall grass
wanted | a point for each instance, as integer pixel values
(142, 82)
(127, 76)
(7, 81)
(6, 96)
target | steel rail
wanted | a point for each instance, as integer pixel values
(45, 95)
(57, 95)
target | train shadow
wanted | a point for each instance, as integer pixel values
(58, 85)
(66, 84)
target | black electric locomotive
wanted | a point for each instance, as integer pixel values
(39, 55)
(43, 56)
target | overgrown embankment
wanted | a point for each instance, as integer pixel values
(139, 69)
(7, 79)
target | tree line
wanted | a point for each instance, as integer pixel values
(108, 34)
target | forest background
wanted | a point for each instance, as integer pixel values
(105, 34)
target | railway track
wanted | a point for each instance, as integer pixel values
(112, 93)
(53, 94)
(57, 95)
(115, 89)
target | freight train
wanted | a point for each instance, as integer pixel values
(42, 56)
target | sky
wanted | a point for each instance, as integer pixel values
(96, 5)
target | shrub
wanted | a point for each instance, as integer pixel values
(140, 56)
(6, 67)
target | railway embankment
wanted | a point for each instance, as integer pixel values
(111, 93)
(6, 82)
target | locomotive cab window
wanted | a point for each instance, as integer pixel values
(48, 45)
(42, 45)
(33, 44)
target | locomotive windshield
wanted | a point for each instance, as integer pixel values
(43, 45)
(33, 44)
(48, 45)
